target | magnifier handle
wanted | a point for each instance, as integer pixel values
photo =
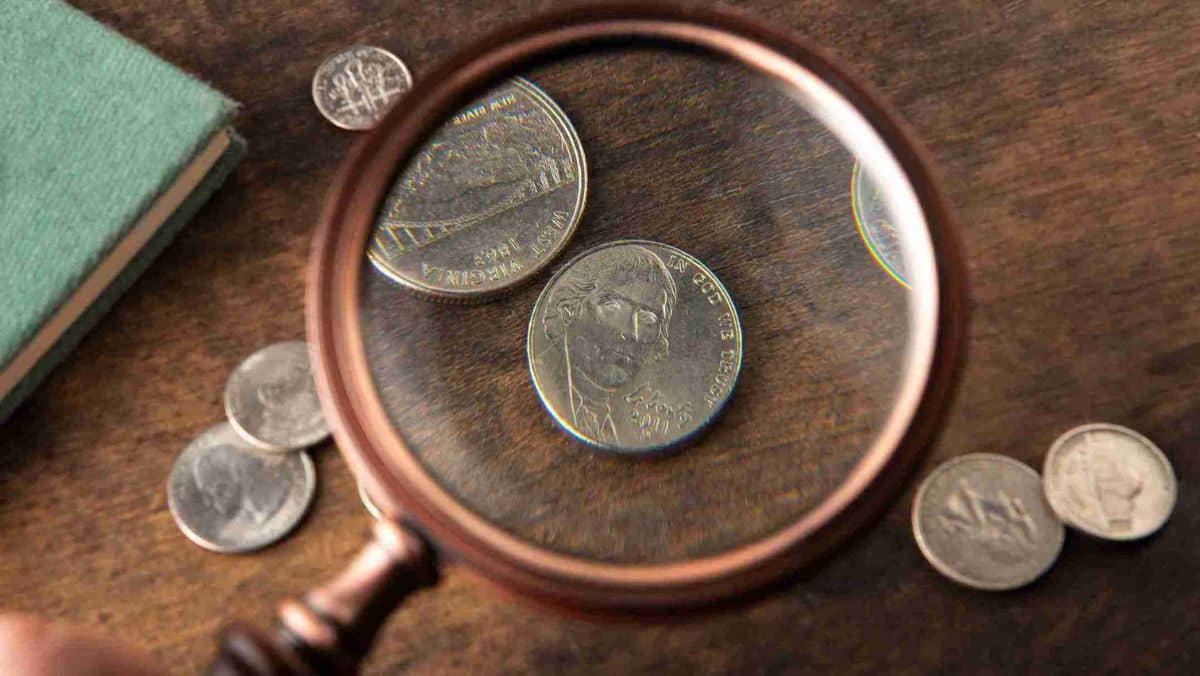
(331, 628)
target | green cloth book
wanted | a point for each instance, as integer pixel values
(105, 152)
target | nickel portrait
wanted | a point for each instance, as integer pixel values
(634, 346)
(228, 497)
(488, 201)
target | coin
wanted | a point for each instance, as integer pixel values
(354, 88)
(874, 226)
(634, 346)
(271, 399)
(365, 497)
(982, 521)
(229, 498)
(488, 201)
(1109, 481)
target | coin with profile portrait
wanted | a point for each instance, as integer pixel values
(634, 346)
(227, 497)
(1109, 481)
(271, 399)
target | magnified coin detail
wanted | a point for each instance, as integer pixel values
(634, 346)
(489, 200)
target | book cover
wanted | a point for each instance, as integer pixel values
(106, 151)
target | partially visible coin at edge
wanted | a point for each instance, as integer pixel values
(354, 88)
(271, 399)
(229, 498)
(1110, 482)
(982, 521)
(488, 201)
(634, 346)
(368, 503)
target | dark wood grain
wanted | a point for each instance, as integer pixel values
(1067, 136)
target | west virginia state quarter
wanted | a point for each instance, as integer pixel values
(1110, 482)
(354, 88)
(982, 521)
(227, 497)
(634, 346)
(489, 200)
(271, 399)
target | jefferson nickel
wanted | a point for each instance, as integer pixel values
(354, 88)
(634, 346)
(271, 399)
(228, 498)
(1110, 482)
(982, 521)
(490, 199)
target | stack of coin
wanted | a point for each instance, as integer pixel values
(990, 522)
(246, 483)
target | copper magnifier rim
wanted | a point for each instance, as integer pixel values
(395, 477)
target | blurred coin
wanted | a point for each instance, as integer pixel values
(229, 498)
(982, 521)
(354, 88)
(874, 226)
(1109, 481)
(490, 199)
(634, 346)
(363, 495)
(271, 399)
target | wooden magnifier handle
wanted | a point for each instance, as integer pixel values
(331, 628)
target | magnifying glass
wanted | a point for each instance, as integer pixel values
(629, 311)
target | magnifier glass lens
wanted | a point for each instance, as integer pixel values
(644, 305)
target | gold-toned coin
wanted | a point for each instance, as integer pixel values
(488, 201)
(634, 346)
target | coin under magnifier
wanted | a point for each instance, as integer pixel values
(1110, 482)
(489, 200)
(354, 88)
(271, 399)
(982, 521)
(227, 497)
(634, 346)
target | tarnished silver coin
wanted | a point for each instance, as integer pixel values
(982, 521)
(271, 399)
(230, 498)
(491, 199)
(354, 88)
(1109, 481)
(367, 502)
(634, 346)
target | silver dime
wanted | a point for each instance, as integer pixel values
(227, 497)
(1109, 481)
(367, 502)
(634, 346)
(354, 88)
(982, 521)
(271, 399)
(488, 201)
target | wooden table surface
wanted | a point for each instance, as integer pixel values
(1067, 134)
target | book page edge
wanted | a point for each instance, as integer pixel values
(111, 266)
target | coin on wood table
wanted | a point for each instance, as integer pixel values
(230, 498)
(271, 399)
(982, 521)
(634, 346)
(354, 88)
(1109, 481)
(487, 202)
